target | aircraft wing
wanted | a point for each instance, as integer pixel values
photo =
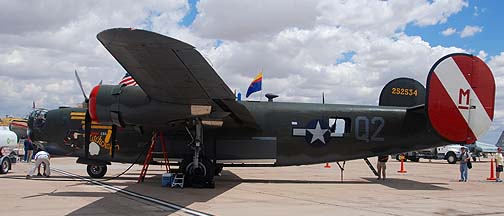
(172, 71)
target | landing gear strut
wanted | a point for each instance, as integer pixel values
(342, 168)
(371, 167)
(198, 170)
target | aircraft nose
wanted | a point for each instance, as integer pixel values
(36, 123)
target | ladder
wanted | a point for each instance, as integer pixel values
(148, 158)
(178, 180)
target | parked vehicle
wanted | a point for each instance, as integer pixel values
(8, 141)
(450, 153)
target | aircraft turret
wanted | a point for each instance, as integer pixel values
(271, 97)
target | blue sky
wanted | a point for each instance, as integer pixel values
(191, 14)
(486, 14)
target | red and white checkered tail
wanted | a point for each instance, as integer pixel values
(460, 97)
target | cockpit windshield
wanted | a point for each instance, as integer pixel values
(37, 118)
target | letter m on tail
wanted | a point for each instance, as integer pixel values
(464, 95)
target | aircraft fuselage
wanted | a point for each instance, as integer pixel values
(287, 134)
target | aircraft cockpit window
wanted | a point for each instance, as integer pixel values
(339, 126)
(38, 117)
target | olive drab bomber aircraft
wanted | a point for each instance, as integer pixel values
(205, 128)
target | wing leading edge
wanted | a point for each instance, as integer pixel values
(172, 71)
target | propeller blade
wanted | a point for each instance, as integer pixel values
(80, 85)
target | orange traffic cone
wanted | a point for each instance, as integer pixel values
(327, 165)
(402, 167)
(492, 171)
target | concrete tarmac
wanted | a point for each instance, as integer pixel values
(428, 188)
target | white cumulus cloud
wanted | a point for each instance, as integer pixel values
(470, 31)
(449, 31)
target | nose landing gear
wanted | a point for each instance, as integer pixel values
(96, 171)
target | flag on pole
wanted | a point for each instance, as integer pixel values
(256, 85)
(128, 80)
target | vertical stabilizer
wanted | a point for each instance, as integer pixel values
(460, 98)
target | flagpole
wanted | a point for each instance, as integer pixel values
(262, 82)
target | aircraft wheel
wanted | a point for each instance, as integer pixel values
(451, 158)
(204, 168)
(96, 171)
(202, 176)
(5, 165)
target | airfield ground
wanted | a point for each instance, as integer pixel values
(428, 188)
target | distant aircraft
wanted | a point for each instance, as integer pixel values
(500, 141)
(205, 128)
(17, 125)
(482, 148)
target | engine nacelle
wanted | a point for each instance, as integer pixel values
(129, 105)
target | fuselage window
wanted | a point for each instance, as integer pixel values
(339, 126)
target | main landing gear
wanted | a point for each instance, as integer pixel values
(198, 169)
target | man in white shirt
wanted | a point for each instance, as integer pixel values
(41, 157)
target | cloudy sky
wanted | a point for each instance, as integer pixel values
(348, 49)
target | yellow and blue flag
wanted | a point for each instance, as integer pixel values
(256, 85)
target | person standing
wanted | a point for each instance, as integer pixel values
(464, 159)
(382, 166)
(41, 157)
(25, 149)
(28, 145)
(498, 164)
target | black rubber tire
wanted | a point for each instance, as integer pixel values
(398, 157)
(451, 158)
(5, 165)
(205, 168)
(96, 171)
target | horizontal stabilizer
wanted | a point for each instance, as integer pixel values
(418, 109)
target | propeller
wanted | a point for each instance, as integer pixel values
(80, 85)
(88, 121)
(87, 124)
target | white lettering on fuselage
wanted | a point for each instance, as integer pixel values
(363, 126)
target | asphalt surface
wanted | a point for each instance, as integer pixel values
(428, 188)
